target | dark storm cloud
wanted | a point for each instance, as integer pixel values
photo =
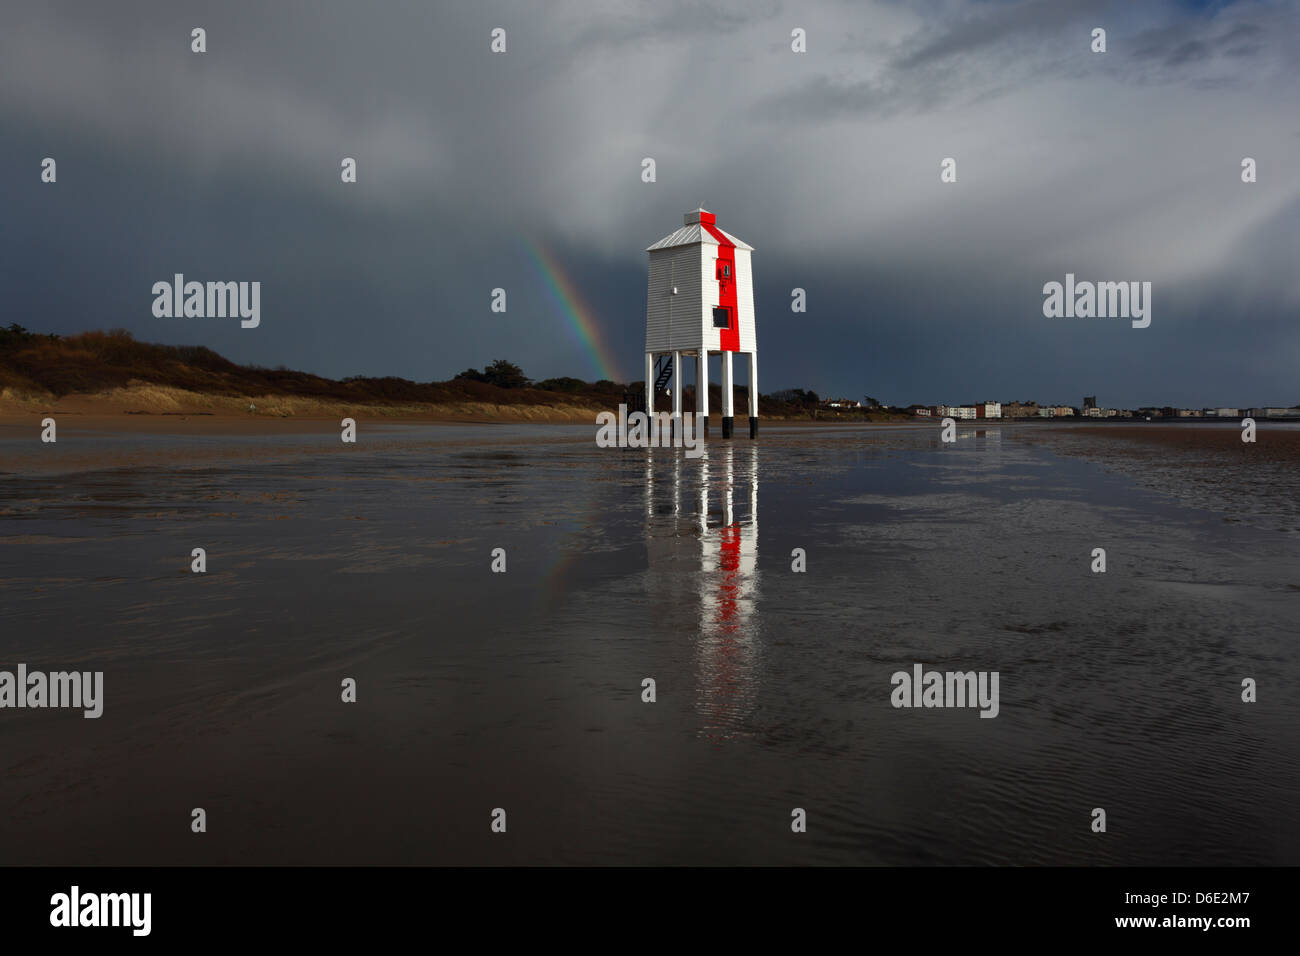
(985, 28)
(226, 166)
(1187, 52)
(1183, 44)
(820, 98)
(668, 21)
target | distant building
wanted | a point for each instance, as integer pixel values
(1089, 401)
(921, 410)
(1020, 410)
(988, 410)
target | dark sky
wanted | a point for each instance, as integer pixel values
(1115, 166)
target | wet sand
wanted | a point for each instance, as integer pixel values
(522, 690)
(1274, 441)
(91, 442)
(1204, 466)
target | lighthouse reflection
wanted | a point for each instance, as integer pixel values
(702, 550)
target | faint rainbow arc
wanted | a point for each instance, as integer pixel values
(582, 320)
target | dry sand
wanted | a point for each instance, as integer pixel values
(165, 410)
(154, 408)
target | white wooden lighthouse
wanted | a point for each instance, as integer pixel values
(699, 302)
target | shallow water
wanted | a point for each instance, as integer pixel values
(522, 690)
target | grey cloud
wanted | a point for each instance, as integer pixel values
(1188, 52)
(996, 27)
(827, 162)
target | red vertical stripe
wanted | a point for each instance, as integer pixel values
(729, 338)
(729, 586)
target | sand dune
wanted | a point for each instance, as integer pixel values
(139, 405)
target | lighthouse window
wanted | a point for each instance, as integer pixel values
(722, 318)
(724, 270)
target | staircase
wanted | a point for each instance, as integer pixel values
(664, 374)
(639, 401)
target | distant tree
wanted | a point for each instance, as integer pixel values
(505, 375)
(15, 334)
(472, 375)
(795, 396)
(563, 384)
(870, 402)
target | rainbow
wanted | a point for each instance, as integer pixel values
(582, 319)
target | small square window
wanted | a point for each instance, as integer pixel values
(722, 318)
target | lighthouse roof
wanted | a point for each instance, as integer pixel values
(693, 231)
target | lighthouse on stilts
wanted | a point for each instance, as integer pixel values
(700, 301)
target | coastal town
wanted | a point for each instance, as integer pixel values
(983, 411)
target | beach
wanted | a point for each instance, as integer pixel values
(523, 689)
